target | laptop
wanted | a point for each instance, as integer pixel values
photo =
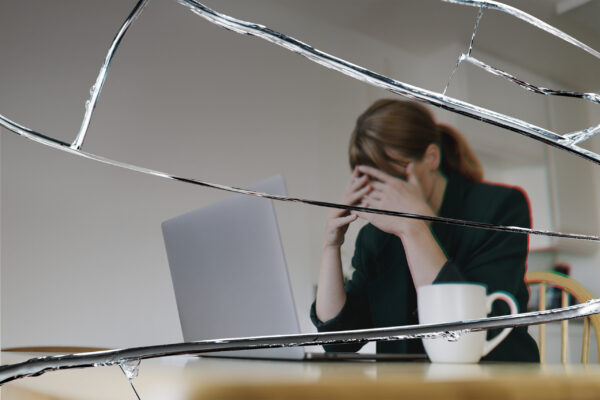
(230, 277)
(229, 273)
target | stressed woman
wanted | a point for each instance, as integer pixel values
(402, 160)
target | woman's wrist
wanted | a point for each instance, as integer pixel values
(413, 227)
(331, 247)
(424, 255)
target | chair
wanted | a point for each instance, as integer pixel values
(568, 286)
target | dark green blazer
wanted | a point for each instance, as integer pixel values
(381, 291)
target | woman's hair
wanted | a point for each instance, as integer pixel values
(407, 128)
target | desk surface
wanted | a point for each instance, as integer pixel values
(185, 377)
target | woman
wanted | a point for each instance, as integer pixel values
(403, 161)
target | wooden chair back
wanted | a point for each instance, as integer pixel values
(567, 286)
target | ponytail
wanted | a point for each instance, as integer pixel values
(457, 156)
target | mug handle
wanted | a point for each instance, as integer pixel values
(514, 309)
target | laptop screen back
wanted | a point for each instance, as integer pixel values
(229, 273)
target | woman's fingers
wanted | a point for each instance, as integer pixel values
(350, 199)
(357, 182)
(337, 212)
(343, 221)
(378, 186)
(365, 203)
(355, 175)
(374, 173)
(336, 229)
(375, 196)
(353, 197)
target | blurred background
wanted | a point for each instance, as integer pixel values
(82, 255)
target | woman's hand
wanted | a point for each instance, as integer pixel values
(337, 219)
(331, 295)
(394, 194)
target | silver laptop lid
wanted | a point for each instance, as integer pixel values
(229, 273)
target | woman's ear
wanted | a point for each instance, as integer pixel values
(433, 156)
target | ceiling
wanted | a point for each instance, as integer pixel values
(423, 26)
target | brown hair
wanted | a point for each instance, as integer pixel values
(407, 127)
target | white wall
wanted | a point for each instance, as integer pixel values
(82, 253)
(585, 268)
(84, 262)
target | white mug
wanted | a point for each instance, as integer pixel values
(452, 302)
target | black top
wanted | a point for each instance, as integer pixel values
(381, 292)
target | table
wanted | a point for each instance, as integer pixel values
(185, 377)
